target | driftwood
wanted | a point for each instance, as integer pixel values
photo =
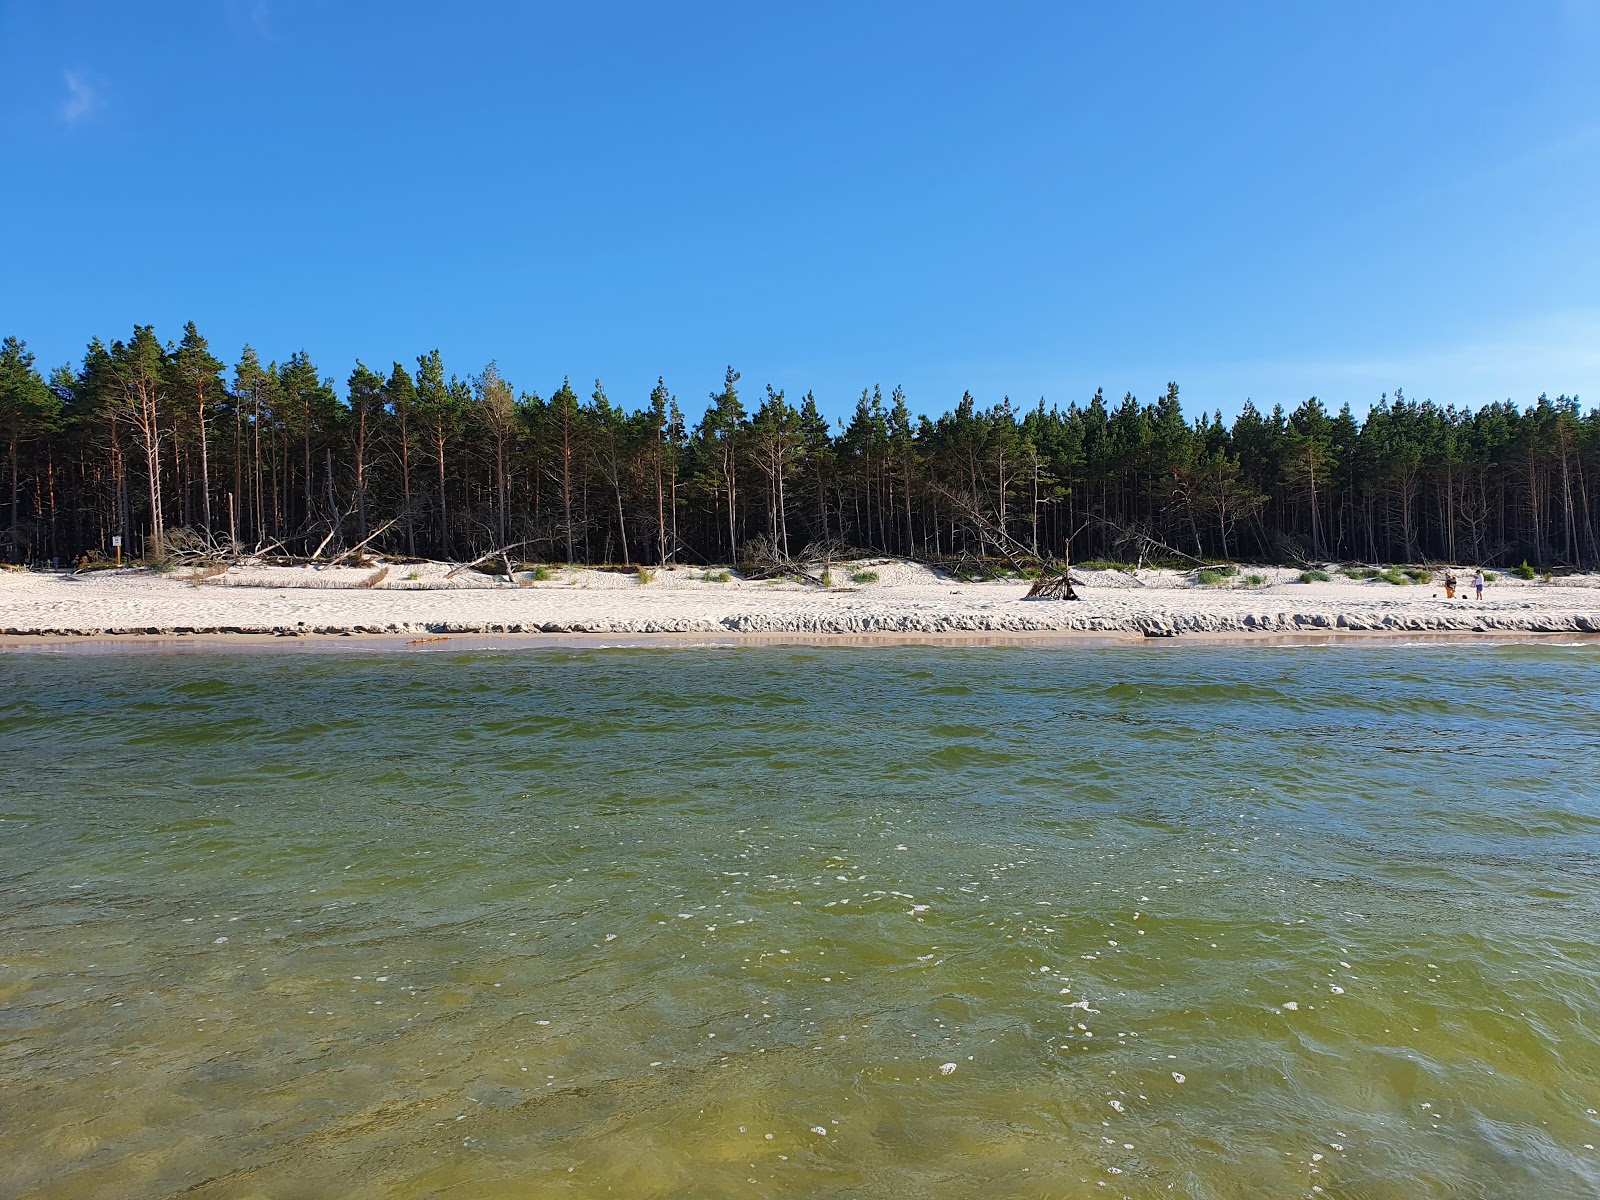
(1053, 587)
(317, 553)
(500, 552)
(356, 549)
(184, 547)
(760, 558)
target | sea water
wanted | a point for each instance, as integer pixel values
(1201, 921)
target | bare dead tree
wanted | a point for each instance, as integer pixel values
(1140, 539)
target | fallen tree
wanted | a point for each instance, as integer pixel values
(761, 558)
(1055, 581)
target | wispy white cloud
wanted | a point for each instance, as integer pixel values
(83, 98)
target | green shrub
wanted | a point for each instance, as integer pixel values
(1255, 580)
(1490, 577)
(646, 575)
(1418, 574)
(1524, 571)
(1360, 572)
(1208, 578)
(1393, 576)
(722, 576)
(413, 576)
(1103, 564)
(827, 577)
(1314, 576)
(863, 577)
(542, 573)
(1226, 569)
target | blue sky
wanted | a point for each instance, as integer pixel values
(1256, 200)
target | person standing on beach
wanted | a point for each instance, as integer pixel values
(1477, 582)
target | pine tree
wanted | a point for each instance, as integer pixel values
(564, 421)
(365, 388)
(722, 424)
(495, 410)
(400, 395)
(138, 371)
(198, 377)
(28, 411)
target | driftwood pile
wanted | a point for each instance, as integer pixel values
(1053, 587)
(761, 558)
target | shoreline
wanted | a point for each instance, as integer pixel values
(894, 603)
(470, 642)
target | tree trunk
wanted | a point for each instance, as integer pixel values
(444, 516)
(405, 485)
(238, 478)
(783, 510)
(730, 466)
(661, 512)
(305, 519)
(1569, 516)
(622, 528)
(911, 541)
(16, 499)
(361, 477)
(205, 469)
(566, 486)
(152, 462)
(258, 510)
(500, 484)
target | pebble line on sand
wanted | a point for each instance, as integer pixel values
(860, 623)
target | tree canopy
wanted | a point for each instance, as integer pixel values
(143, 437)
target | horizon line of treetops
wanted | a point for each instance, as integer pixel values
(144, 438)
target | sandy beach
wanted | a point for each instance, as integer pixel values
(903, 598)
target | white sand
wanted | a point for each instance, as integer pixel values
(906, 599)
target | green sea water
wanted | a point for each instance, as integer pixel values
(1198, 921)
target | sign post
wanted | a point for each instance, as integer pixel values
(116, 543)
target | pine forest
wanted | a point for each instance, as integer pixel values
(163, 443)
